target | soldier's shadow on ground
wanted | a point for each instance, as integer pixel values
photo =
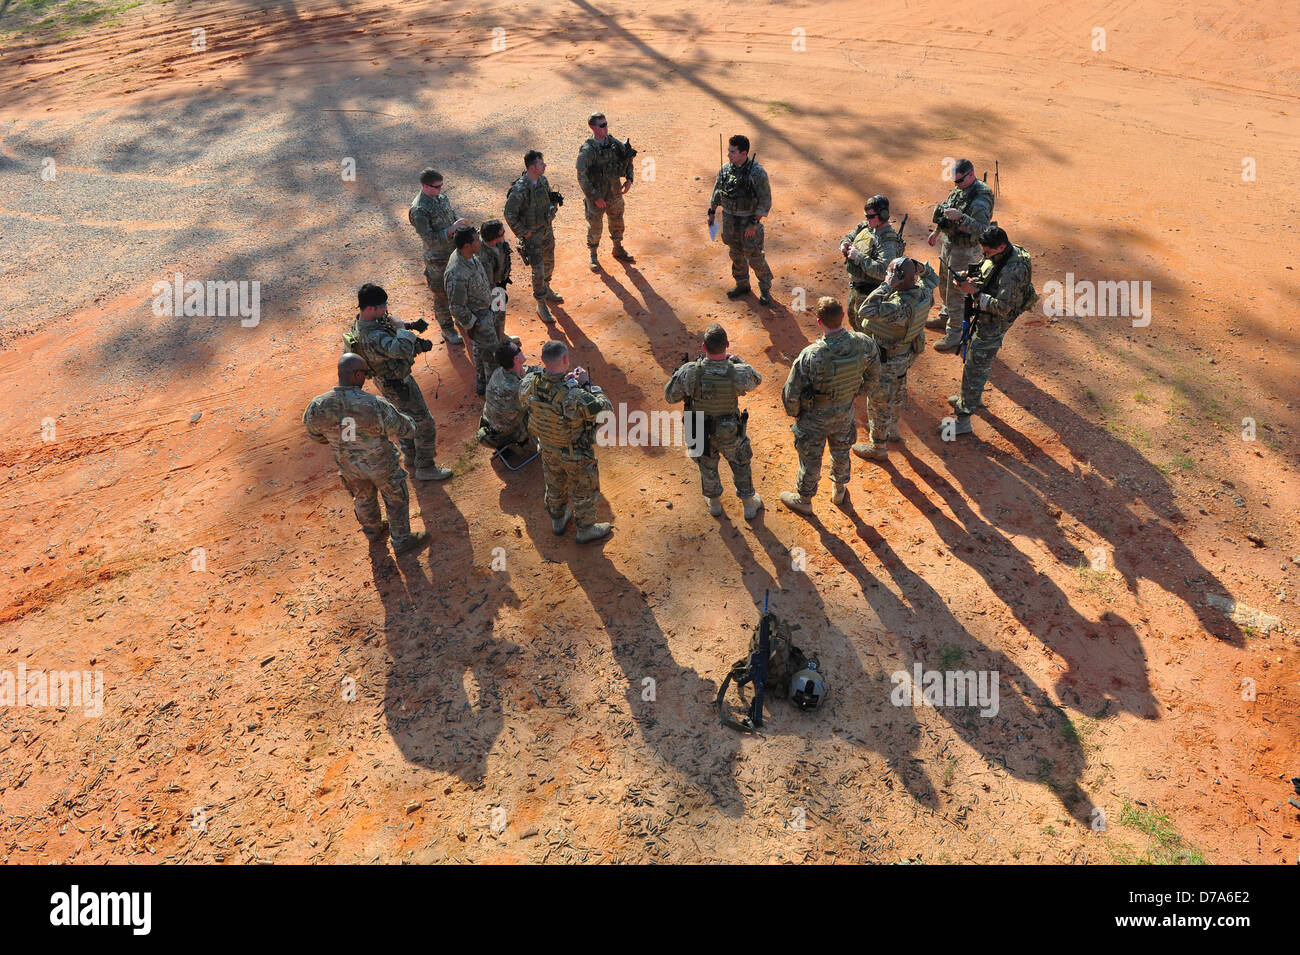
(859, 698)
(448, 672)
(666, 334)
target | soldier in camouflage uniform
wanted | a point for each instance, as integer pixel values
(825, 379)
(602, 162)
(562, 411)
(495, 258)
(710, 386)
(894, 316)
(389, 347)
(433, 218)
(1002, 289)
(504, 420)
(360, 427)
(530, 207)
(743, 191)
(470, 298)
(959, 220)
(867, 251)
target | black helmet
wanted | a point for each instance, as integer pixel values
(880, 204)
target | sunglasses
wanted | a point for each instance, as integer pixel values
(873, 215)
(602, 125)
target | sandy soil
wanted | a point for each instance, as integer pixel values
(501, 715)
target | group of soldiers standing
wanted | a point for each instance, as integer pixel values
(866, 349)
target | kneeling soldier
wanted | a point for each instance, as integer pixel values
(504, 420)
(710, 386)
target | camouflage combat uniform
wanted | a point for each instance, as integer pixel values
(874, 250)
(712, 387)
(744, 193)
(562, 416)
(504, 420)
(600, 167)
(360, 428)
(528, 206)
(1000, 298)
(496, 262)
(433, 218)
(896, 322)
(959, 244)
(390, 354)
(823, 382)
(470, 299)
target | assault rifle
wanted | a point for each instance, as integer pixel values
(758, 667)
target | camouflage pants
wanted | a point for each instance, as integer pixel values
(407, 397)
(980, 352)
(727, 442)
(959, 256)
(595, 219)
(365, 490)
(499, 322)
(483, 338)
(884, 403)
(434, 271)
(566, 478)
(746, 253)
(541, 255)
(813, 431)
(495, 439)
(852, 304)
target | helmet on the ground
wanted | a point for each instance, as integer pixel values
(807, 689)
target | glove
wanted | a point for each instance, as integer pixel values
(423, 345)
(417, 326)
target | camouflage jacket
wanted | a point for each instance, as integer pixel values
(975, 204)
(389, 352)
(685, 382)
(897, 317)
(875, 249)
(814, 372)
(1013, 292)
(468, 294)
(601, 166)
(503, 409)
(433, 219)
(528, 205)
(360, 427)
(495, 260)
(743, 190)
(579, 406)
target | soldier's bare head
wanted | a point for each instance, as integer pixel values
(963, 174)
(510, 355)
(372, 301)
(738, 149)
(352, 370)
(555, 356)
(599, 125)
(431, 182)
(901, 273)
(467, 242)
(993, 241)
(715, 341)
(830, 313)
(534, 163)
(877, 209)
(493, 231)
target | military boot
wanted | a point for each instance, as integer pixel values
(593, 532)
(753, 505)
(715, 506)
(796, 502)
(554, 296)
(949, 343)
(838, 493)
(955, 401)
(622, 254)
(378, 535)
(871, 451)
(938, 323)
(451, 335)
(558, 524)
(764, 297)
(544, 313)
(594, 264)
(963, 425)
(432, 473)
(413, 543)
(740, 289)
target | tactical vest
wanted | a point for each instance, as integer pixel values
(546, 413)
(607, 163)
(715, 394)
(963, 204)
(844, 379)
(738, 188)
(380, 366)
